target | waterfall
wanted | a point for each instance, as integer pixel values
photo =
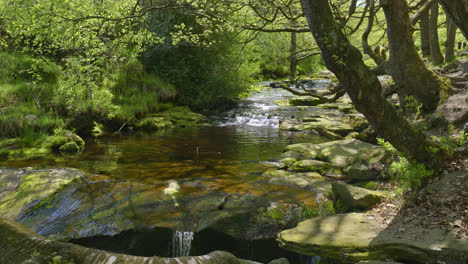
(181, 243)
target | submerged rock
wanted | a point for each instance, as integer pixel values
(356, 197)
(342, 236)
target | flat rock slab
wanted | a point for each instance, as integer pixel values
(339, 153)
(25, 188)
(338, 236)
(305, 180)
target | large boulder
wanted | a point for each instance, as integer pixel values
(339, 153)
(454, 110)
(355, 197)
(21, 245)
(338, 236)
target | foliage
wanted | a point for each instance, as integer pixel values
(410, 174)
(450, 144)
(406, 172)
(288, 215)
(412, 108)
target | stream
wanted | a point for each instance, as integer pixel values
(131, 173)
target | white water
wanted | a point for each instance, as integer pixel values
(181, 243)
(260, 110)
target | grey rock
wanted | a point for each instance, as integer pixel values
(356, 197)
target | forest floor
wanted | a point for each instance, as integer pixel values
(442, 205)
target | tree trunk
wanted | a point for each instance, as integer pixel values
(436, 54)
(362, 85)
(408, 71)
(458, 11)
(450, 42)
(424, 34)
(293, 50)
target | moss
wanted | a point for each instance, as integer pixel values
(4, 153)
(66, 141)
(445, 88)
(69, 147)
(33, 188)
(153, 123)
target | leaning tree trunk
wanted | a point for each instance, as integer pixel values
(436, 54)
(450, 42)
(458, 11)
(408, 71)
(424, 34)
(362, 85)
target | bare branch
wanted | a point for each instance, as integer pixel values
(415, 18)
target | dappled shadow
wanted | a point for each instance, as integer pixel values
(426, 230)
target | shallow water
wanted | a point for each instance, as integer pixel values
(207, 163)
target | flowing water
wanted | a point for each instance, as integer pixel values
(204, 163)
(181, 243)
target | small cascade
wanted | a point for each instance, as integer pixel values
(181, 243)
(260, 109)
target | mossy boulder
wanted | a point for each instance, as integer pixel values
(153, 123)
(25, 189)
(66, 142)
(182, 116)
(360, 172)
(355, 197)
(341, 236)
